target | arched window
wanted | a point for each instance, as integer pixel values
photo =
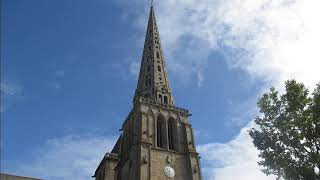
(160, 98)
(146, 83)
(171, 134)
(159, 68)
(165, 99)
(161, 132)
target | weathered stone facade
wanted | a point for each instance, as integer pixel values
(157, 142)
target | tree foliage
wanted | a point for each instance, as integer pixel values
(288, 132)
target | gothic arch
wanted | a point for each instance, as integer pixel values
(161, 131)
(172, 134)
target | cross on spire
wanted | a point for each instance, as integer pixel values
(153, 82)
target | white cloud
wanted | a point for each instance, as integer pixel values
(10, 93)
(270, 40)
(60, 73)
(236, 159)
(134, 68)
(242, 113)
(69, 157)
(9, 89)
(279, 39)
(200, 78)
(122, 68)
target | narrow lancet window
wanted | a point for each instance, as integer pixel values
(171, 132)
(161, 132)
(160, 98)
(165, 99)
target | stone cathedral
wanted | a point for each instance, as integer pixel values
(157, 140)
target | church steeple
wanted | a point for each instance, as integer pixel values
(157, 139)
(153, 82)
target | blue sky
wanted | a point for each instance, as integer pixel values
(69, 71)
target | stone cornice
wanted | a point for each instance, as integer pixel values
(147, 101)
(107, 156)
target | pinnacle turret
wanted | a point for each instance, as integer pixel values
(153, 80)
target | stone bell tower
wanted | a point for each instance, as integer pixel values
(157, 140)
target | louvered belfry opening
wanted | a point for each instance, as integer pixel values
(171, 134)
(161, 132)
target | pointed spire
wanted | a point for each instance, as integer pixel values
(153, 82)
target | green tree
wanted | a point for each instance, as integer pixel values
(288, 132)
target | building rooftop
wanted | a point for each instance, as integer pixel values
(4, 176)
